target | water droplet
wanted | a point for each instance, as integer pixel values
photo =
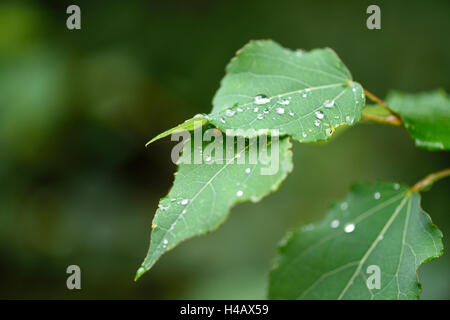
(239, 109)
(334, 224)
(266, 111)
(349, 228)
(184, 202)
(291, 113)
(348, 120)
(230, 112)
(307, 89)
(381, 237)
(304, 135)
(208, 159)
(256, 109)
(317, 122)
(284, 102)
(260, 117)
(165, 241)
(248, 170)
(304, 95)
(280, 110)
(239, 193)
(328, 103)
(299, 52)
(184, 211)
(261, 99)
(319, 114)
(377, 195)
(310, 130)
(396, 186)
(222, 120)
(344, 206)
(354, 89)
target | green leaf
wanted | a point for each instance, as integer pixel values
(376, 225)
(426, 115)
(203, 194)
(376, 110)
(191, 124)
(302, 94)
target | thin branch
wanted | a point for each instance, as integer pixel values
(375, 99)
(390, 119)
(430, 179)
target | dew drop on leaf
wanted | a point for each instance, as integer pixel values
(280, 110)
(261, 99)
(328, 103)
(230, 112)
(319, 115)
(334, 224)
(349, 228)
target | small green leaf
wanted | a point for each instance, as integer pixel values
(378, 225)
(203, 194)
(426, 115)
(191, 124)
(302, 94)
(376, 110)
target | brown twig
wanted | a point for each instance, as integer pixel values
(430, 179)
(390, 119)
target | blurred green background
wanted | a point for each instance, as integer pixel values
(76, 108)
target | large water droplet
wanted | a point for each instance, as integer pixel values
(230, 112)
(328, 103)
(165, 241)
(284, 102)
(377, 195)
(239, 193)
(319, 114)
(248, 170)
(261, 99)
(280, 110)
(349, 228)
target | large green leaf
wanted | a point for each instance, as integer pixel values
(302, 94)
(426, 115)
(378, 225)
(202, 194)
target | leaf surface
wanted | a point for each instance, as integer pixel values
(379, 225)
(426, 115)
(203, 194)
(302, 94)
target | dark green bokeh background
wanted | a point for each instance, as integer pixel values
(76, 108)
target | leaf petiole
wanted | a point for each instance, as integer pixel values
(430, 179)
